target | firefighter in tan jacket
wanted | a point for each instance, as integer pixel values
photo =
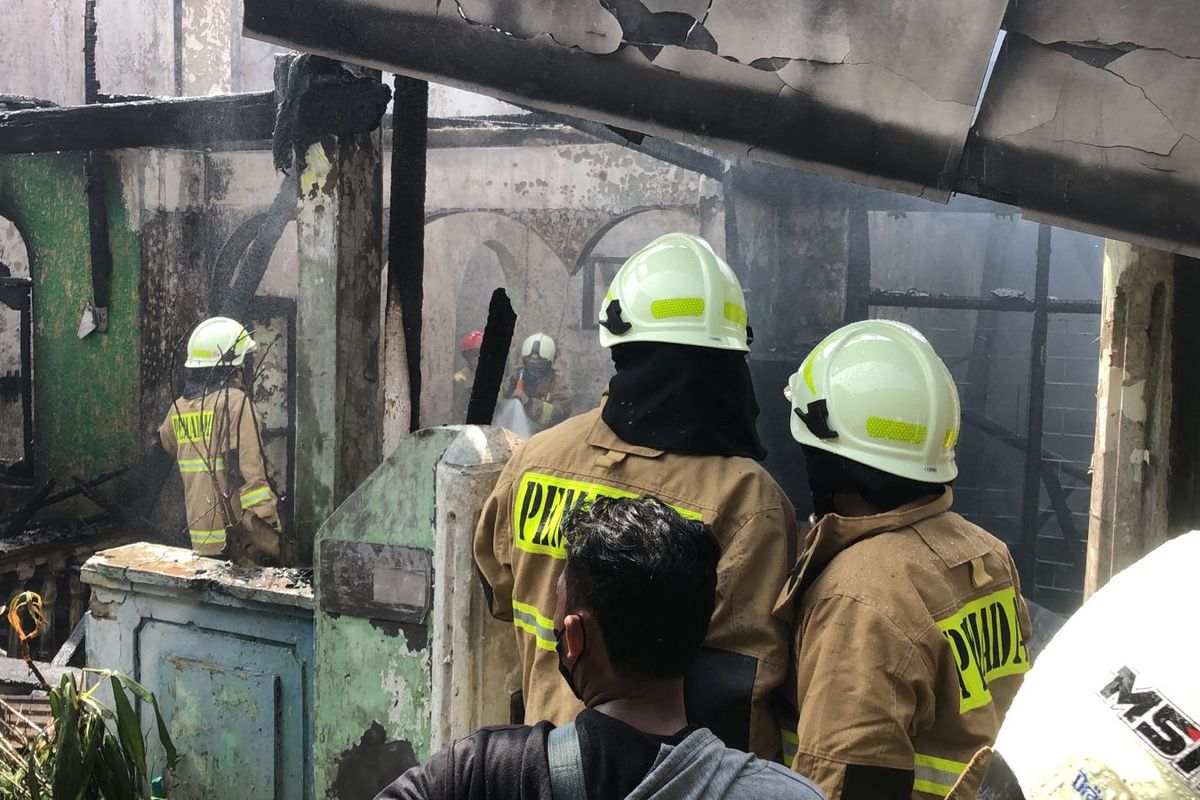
(213, 432)
(677, 422)
(544, 393)
(910, 626)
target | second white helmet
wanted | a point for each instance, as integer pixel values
(218, 340)
(876, 393)
(539, 344)
(675, 290)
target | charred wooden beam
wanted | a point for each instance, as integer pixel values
(172, 122)
(339, 227)
(406, 231)
(493, 356)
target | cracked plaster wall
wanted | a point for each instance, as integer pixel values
(1098, 97)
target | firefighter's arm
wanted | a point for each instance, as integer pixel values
(745, 655)
(255, 495)
(551, 409)
(166, 435)
(862, 688)
(493, 545)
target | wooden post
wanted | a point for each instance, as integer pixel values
(1130, 462)
(339, 395)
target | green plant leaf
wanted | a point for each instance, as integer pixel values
(67, 782)
(164, 736)
(114, 779)
(129, 729)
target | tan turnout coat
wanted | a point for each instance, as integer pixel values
(549, 402)
(204, 434)
(909, 645)
(520, 555)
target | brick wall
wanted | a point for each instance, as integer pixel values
(989, 488)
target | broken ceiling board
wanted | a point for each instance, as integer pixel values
(1161, 24)
(881, 93)
(585, 24)
(1111, 146)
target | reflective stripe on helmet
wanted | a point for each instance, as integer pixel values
(677, 307)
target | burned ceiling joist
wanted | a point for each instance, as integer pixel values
(1088, 105)
(837, 97)
(162, 122)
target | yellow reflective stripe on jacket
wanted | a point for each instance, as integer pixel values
(934, 775)
(791, 746)
(527, 618)
(540, 502)
(256, 496)
(192, 426)
(203, 538)
(201, 464)
(987, 643)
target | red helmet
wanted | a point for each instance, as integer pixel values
(472, 341)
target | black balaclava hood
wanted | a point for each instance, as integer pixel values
(685, 399)
(830, 474)
(200, 381)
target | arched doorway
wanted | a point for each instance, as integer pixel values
(467, 256)
(599, 260)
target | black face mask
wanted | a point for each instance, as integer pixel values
(568, 672)
(536, 369)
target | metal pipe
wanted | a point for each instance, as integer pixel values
(1031, 494)
(662, 149)
(858, 264)
(997, 302)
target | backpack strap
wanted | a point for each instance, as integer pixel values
(566, 763)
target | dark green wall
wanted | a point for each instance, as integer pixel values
(86, 392)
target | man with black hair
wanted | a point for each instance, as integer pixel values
(212, 430)
(633, 607)
(677, 422)
(910, 626)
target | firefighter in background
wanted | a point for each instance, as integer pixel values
(464, 379)
(678, 421)
(213, 432)
(910, 626)
(544, 393)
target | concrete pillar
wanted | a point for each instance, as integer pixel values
(1130, 462)
(205, 48)
(339, 394)
(476, 666)
(401, 645)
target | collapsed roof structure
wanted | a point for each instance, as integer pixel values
(1064, 108)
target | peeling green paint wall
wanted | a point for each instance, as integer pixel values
(86, 392)
(373, 686)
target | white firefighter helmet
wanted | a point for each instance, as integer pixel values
(876, 393)
(1111, 708)
(678, 291)
(540, 345)
(218, 341)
